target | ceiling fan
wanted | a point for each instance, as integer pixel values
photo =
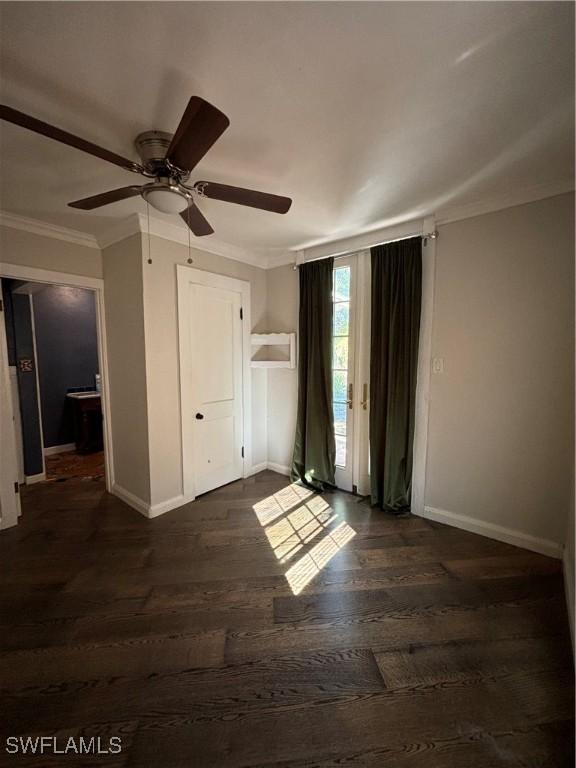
(166, 159)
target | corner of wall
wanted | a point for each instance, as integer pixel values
(124, 316)
(282, 383)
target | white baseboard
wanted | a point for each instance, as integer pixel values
(569, 576)
(133, 501)
(53, 449)
(493, 531)
(280, 468)
(146, 509)
(31, 479)
(154, 510)
(166, 506)
(255, 468)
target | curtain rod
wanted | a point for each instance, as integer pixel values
(425, 236)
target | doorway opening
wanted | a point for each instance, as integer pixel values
(52, 374)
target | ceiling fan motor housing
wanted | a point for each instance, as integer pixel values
(152, 147)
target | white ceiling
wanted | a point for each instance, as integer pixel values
(366, 114)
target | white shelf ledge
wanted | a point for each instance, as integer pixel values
(270, 364)
(275, 340)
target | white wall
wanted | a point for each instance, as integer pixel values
(141, 322)
(31, 250)
(124, 311)
(501, 426)
(282, 317)
(500, 447)
(501, 415)
(162, 371)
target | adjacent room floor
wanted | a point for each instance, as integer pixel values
(266, 626)
(73, 465)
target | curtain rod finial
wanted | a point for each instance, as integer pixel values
(430, 236)
(298, 259)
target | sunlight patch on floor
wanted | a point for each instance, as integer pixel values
(284, 500)
(299, 527)
(288, 529)
(302, 572)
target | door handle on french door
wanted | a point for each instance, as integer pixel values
(199, 416)
(364, 402)
(350, 400)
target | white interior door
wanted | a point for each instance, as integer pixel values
(350, 369)
(212, 384)
(9, 496)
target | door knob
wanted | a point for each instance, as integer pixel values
(199, 416)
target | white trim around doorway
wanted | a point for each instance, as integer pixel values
(95, 284)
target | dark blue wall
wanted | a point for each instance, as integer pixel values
(67, 348)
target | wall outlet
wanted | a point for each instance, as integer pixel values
(437, 365)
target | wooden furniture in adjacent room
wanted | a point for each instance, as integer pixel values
(87, 421)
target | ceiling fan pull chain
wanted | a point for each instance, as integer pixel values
(189, 248)
(148, 222)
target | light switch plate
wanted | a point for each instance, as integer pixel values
(437, 365)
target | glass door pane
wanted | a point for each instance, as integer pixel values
(341, 372)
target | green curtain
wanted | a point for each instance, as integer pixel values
(314, 447)
(396, 300)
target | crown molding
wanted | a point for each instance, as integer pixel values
(137, 223)
(413, 227)
(279, 257)
(269, 258)
(501, 202)
(365, 239)
(134, 224)
(36, 227)
(120, 230)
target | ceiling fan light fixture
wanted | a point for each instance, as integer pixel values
(166, 199)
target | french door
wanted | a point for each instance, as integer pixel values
(350, 370)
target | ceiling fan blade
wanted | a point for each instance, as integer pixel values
(200, 126)
(97, 201)
(241, 196)
(196, 220)
(44, 129)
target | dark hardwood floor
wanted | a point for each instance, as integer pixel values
(407, 644)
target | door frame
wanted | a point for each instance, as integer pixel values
(95, 284)
(10, 508)
(351, 245)
(344, 476)
(211, 280)
(360, 471)
(359, 370)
